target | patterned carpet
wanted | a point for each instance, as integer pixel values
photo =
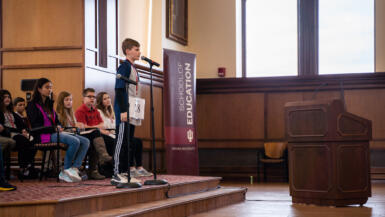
(33, 190)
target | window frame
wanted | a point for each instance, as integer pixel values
(308, 42)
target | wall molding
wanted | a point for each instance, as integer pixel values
(291, 83)
(50, 48)
(43, 66)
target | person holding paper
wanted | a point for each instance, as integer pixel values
(90, 117)
(131, 49)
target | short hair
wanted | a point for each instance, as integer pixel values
(17, 100)
(87, 90)
(128, 43)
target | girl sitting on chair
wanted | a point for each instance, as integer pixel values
(13, 127)
(41, 113)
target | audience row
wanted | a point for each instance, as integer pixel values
(90, 129)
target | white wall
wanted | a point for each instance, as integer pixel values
(133, 22)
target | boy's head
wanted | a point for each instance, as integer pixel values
(131, 49)
(89, 97)
(19, 104)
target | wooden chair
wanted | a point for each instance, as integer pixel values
(51, 146)
(274, 153)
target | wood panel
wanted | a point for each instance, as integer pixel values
(363, 96)
(276, 118)
(230, 116)
(368, 104)
(42, 23)
(67, 79)
(42, 210)
(42, 57)
(291, 83)
(43, 38)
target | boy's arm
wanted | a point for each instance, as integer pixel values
(121, 99)
(120, 90)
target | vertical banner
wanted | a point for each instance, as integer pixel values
(179, 100)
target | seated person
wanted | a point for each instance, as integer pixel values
(103, 103)
(136, 165)
(41, 113)
(13, 127)
(89, 116)
(106, 111)
(19, 104)
(66, 115)
(4, 185)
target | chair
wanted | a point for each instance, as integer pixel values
(274, 153)
(51, 146)
(9, 160)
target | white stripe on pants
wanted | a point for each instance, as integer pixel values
(118, 147)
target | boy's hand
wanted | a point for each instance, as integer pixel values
(1, 128)
(123, 117)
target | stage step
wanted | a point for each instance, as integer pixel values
(179, 206)
(49, 198)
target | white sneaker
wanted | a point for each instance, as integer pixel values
(134, 180)
(143, 172)
(118, 178)
(134, 173)
(64, 177)
(72, 174)
(76, 170)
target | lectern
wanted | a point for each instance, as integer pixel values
(328, 153)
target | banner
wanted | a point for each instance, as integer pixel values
(179, 100)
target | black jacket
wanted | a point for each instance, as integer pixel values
(36, 118)
(20, 125)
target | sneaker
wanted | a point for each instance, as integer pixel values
(118, 178)
(76, 170)
(134, 173)
(83, 175)
(134, 180)
(144, 172)
(64, 177)
(5, 186)
(73, 175)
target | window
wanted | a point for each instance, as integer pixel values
(346, 36)
(271, 38)
(308, 37)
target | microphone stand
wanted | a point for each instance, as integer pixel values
(153, 181)
(128, 184)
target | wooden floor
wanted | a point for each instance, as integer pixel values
(273, 199)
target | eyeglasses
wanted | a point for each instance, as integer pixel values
(91, 97)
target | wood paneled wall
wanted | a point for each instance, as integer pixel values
(241, 114)
(43, 38)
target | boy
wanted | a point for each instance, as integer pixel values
(131, 50)
(19, 105)
(90, 117)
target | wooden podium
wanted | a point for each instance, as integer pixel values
(328, 153)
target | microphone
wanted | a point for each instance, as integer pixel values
(127, 80)
(150, 61)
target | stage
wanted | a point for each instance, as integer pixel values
(183, 196)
